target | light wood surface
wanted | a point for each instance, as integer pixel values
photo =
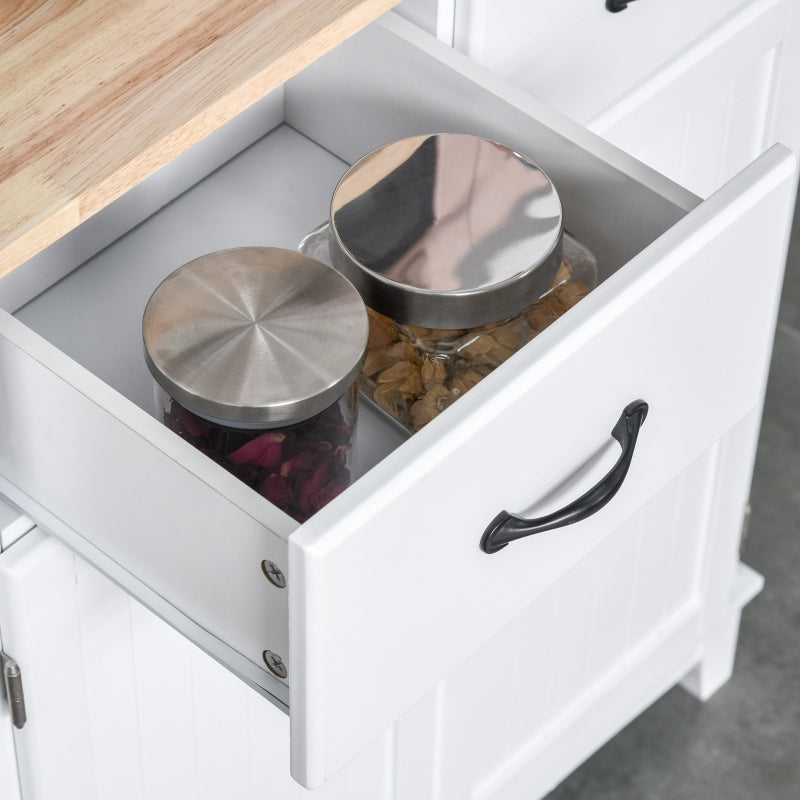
(97, 95)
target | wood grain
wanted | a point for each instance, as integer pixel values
(97, 95)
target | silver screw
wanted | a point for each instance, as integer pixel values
(273, 574)
(275, 663)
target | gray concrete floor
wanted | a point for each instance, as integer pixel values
(744, 743)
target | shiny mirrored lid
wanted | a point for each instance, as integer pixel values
(446, 230)
(255, 335)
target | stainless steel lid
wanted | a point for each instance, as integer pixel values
(446, 230)
(255, 335)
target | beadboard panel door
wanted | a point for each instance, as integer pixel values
(13, 525)
(579, 663)
(9, 780)
(715, 107)
(122, 706)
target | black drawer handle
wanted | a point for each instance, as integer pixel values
(617, 5)
(506, 528)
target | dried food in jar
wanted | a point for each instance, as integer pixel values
(419, 372)
(452, 241)
(281, 417)
(299, 467)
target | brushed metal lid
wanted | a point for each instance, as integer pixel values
(255, 335)
(446, 230)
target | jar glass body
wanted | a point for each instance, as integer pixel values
(298, 466)
(413, 373)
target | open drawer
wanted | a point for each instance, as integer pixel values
(386, 589)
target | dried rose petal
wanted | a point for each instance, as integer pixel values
(298, 468)
(194, 425)
(332, 415)
(276, 489)
(265, 450)
(312, 482)
(328, 492)
(301, 462)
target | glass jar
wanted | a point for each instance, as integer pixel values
(457, 246)
(256, 353)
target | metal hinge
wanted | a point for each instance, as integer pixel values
(16, 697)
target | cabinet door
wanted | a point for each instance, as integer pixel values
(13, 524)
(717, 104)
(9, 780)
(122, 706)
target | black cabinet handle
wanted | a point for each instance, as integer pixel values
(506, 528)
(617, 5)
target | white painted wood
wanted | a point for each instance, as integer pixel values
(418, 737)
(380, 575)
(721, 577)
(107, 670)
(535, 765)
(719, 644)
(434, 16)
(713, 108)
(122, 706)
(696, 90)
(716, 665)
(13, 525)
(9, 778)
(476, 703)
(507, 707)
(40, 633)
(574, 54)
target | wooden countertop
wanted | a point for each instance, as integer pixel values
(95, 95)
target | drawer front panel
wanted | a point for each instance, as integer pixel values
(389, 599)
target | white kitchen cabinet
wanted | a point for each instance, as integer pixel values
(418, 666)
(148, 714)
